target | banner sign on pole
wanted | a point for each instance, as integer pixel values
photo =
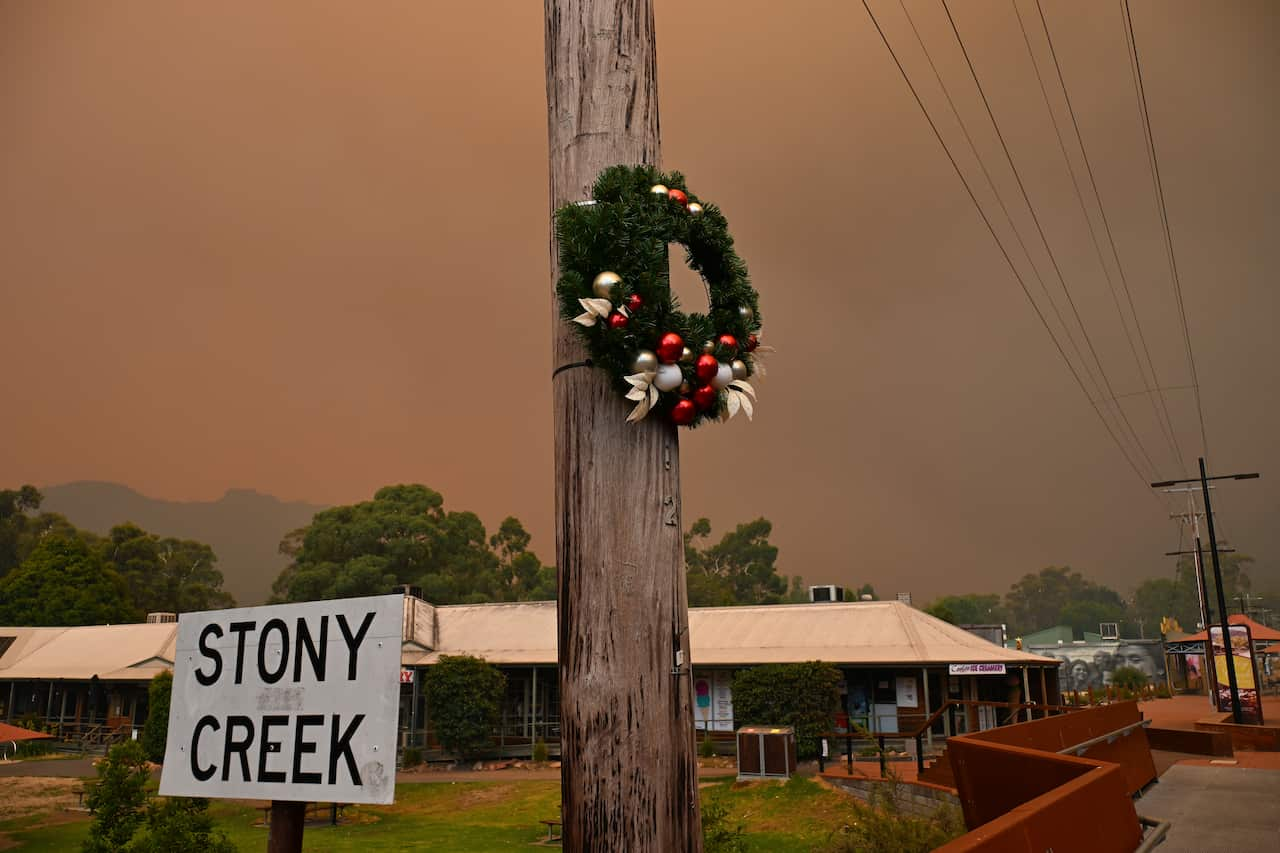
(1246, 667)
(292, 702)
(406, 676)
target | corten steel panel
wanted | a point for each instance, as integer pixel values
(1051, 734)
(1090, 813)
(1246, 738)
(1186, 740)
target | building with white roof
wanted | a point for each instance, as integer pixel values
(899, 664)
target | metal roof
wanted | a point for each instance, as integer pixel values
(861, 632)
(133, 652)
(850, 633)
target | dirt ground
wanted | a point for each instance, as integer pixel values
(29, 795)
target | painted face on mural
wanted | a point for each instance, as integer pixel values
(1138, 657)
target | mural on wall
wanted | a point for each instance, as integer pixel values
(1089, 665)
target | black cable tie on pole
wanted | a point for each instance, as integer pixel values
(584, 363)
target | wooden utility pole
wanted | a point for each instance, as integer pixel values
(629, 778)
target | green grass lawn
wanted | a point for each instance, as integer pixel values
(480, 816)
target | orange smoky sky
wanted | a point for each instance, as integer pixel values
(303, 248)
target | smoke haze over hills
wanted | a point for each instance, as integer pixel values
(243, 527)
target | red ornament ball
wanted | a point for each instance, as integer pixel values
(670, 346)
(704, 397)
(634, 302)
(683, 413)
(728, 342)
(678, 197)
(705, 368)
(617, 321)
(752, 343)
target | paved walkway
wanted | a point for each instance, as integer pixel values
(1216, 809)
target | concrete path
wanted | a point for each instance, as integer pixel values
(1227, 809)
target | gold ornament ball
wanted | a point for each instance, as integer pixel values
(739, 368)
(644, 362)
(686, 356)
(606, 284)
(694, 208)
(658, 189)
(745, 312)
(709, 347)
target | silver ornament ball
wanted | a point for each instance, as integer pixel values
(606, 284)
(694, 208)
(709, 347)
(745, 312)
(658, 189)
(686, 356)
(644, 362)
(739, 368)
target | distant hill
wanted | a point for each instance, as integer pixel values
(244, 527)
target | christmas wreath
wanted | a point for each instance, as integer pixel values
(614, 285)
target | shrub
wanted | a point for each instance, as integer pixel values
(1128, 678)
(540, 751)
(155, 732)
(180, 825)
(706, 748)
(117, 798)
(802, 695)
(1162, 692)
(464, 701)
(411, 757)
(880, 826)
(719, 834)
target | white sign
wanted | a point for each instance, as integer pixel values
(289, 702)
(722, 700)
(906, 689)
(976, 669)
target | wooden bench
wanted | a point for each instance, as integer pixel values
(551, 830)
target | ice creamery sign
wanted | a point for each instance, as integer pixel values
(289, 702)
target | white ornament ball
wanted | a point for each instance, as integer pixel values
(669, 377)
(724, 375)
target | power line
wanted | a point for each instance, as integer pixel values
(991, 184)
(1004, 252)
(1166, 425)
(1043, 239)
(1154, 165)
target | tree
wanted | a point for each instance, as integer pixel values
(164, 575)
(155, 733)
(802, 695)
(1039, 600)
(63, 582)
(405, 536)
(464, 701)
(739, 569)
(21, 531)
(970, 609)
(117, 799)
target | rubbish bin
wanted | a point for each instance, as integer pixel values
(766, 752)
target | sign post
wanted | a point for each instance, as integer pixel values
(292, 703)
